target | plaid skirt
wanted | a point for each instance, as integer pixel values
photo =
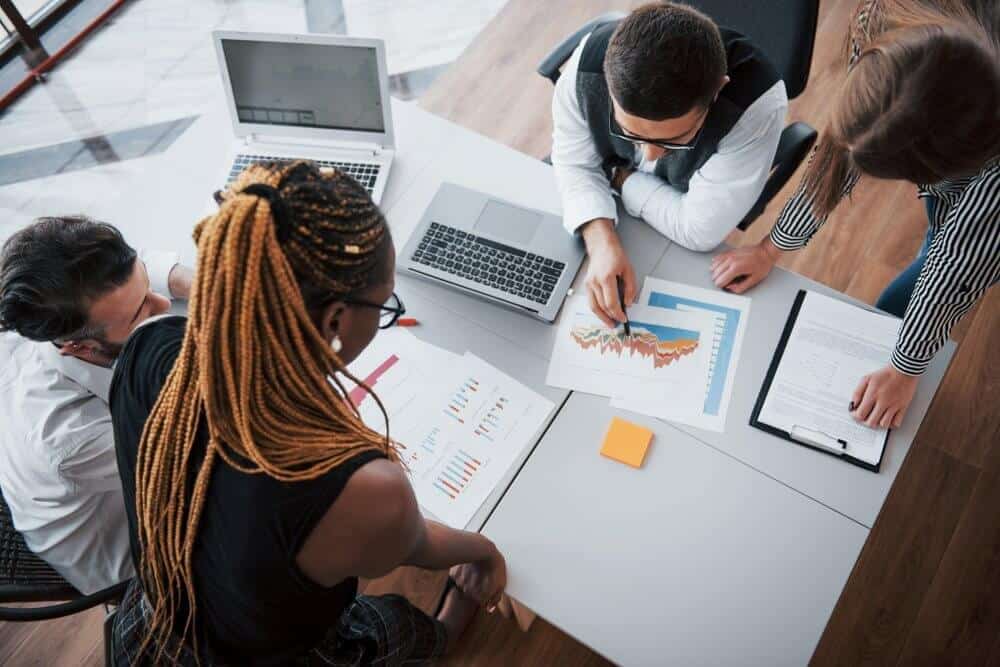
(385, 630)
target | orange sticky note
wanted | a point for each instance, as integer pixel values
(626, 442)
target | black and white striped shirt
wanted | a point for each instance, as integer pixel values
(963, 260)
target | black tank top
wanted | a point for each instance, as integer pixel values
(254, 604)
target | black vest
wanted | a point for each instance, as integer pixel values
(751, 74)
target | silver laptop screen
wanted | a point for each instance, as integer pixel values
(305, 85)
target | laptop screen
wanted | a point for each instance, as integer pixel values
(305, 85)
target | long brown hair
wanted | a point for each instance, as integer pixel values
(922, 101)
(253, 367)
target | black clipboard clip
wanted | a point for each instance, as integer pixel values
(816, 438)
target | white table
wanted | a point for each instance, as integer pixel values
(724, 549)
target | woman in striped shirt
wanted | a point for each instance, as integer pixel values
(921, 103)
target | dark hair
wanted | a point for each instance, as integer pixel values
(665, 59)
(51, 270)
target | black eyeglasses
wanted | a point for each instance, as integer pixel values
(392, 309)
(667, 145)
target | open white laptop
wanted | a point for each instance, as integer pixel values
(311, 97)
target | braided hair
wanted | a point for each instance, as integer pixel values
(253, 367)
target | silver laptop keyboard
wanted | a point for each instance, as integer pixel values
(364, 173)
(489, 263)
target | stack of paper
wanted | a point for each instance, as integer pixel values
(678, 363)
(459, 422)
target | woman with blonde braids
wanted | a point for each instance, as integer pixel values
(256, 496)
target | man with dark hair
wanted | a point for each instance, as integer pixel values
(677, 117)
(71, 291)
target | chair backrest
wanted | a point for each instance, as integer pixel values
(24, 577)
(784, 29)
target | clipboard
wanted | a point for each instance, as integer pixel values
(805, 437)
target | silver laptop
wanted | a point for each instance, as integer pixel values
(312, 97)
(514, 256)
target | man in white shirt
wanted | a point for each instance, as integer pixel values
(678, 118)
(71, 291)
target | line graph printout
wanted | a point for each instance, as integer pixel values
(666, 356)
(459, 423)
(729, 314)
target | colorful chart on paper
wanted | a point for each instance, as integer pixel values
(458, 422)
(665, 354)
(661, 345)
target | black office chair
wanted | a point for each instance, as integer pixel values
(24, 577)
(784, 29)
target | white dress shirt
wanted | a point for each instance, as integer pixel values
(58, 470)
(719, 194)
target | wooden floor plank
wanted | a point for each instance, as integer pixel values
(959, 620)
(883, 596)
(63, 642)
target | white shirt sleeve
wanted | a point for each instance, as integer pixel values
(586, 193)
(159, 264)
(725, 188)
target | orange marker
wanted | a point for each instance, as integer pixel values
(407, 322)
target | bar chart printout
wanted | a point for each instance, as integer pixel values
(401, 370)
(488, 419)
(459, 423)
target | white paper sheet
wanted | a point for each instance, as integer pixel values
(729, 314)
(460, 423)
(832, 346)
(665, 362)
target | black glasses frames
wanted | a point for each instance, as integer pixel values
(392, 309)
(666, 145)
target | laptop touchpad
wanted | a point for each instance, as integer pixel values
(514, 225)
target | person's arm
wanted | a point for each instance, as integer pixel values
(723, 189)
(588, 203)
(375, 526)
(91, 471)
(962, 263)
(739, 269)
(167, 276)
(583, 185)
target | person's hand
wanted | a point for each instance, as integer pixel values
(607, 261)
(484, 580)
(881, 399)
(740, 269)
(619, 176)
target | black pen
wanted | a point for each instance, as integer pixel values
(621, 299)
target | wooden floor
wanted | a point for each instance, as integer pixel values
(926, 589)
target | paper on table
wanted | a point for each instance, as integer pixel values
(831, 347)
(668, 353)
(729, 313)
(399, 368)
(459, 422)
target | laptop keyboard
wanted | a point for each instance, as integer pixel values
(489, 263)
(364, 173)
